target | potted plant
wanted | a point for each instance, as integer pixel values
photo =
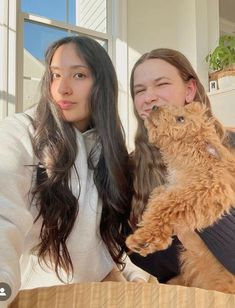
(221, 62)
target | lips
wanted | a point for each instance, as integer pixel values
(146, 112)
(64, 105)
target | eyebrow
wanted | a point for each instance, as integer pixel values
(155, 80)
(72, 67)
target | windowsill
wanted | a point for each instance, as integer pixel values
(219, 91)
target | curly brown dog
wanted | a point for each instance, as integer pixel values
(200, 188)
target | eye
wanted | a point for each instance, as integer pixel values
(79, 76)
(162, 84)
(180, 119)
(139, 91)
(154, 108)
(55, 75)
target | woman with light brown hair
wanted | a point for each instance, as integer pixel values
(166, 77)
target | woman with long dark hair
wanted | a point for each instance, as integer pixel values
(65, 182)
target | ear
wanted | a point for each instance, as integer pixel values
(191, 89)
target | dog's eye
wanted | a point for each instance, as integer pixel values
(180, 119)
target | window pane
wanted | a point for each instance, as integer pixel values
(31, 93)
(38, 37)
(103, 43)
(52, 9)
(36, 40)
(72, 12)
(92, 14)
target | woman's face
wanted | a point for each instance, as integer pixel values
(156, 82)
(71, 85)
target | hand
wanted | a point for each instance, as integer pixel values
(138, 280)
(114, 275)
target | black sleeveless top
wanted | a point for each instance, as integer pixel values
(220, 239)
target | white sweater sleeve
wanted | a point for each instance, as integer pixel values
(133, 272)
(15, 182)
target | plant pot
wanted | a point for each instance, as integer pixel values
(226, 81)
(225, 78)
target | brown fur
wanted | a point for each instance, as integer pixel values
(200, 188)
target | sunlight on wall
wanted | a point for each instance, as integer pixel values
(33, 71)
(133, 57)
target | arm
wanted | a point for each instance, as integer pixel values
(15, 183)
(162, 264)
(134, 273)
(131, 272)
(114, 275)
(219, 239)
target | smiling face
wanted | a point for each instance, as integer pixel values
(71, 85)
(156, 82)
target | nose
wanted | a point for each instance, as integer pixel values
(150, 96)
(64, 87)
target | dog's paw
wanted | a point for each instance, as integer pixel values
(137, 245)
(145, 243)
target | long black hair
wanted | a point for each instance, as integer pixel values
(55, 146)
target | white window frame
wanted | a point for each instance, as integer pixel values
(8, 71)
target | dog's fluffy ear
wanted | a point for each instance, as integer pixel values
(201, 108)
(194, 106)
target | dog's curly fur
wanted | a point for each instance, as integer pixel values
(200, 188)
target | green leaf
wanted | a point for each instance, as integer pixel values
(223, 55)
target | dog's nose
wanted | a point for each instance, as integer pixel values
(154, 108)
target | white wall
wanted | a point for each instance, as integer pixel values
(223, 106)
(151, 24)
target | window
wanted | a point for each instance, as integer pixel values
(37, 37)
